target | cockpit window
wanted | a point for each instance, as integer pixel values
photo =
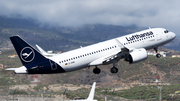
(166, 31)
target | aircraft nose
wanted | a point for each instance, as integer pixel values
(173, 35)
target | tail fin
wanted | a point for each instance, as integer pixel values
(26, 52)
(91, 94)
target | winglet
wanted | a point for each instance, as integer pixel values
(40, 49)
(123, 48)
(91, 94)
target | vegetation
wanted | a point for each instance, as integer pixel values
(71, 38)
(18, 92)
(148, 92)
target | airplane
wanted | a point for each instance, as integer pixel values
(91, 94)
(132, 48)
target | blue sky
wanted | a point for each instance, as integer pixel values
(143, 13)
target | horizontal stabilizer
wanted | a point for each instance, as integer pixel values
(20, 70)
(11, 68)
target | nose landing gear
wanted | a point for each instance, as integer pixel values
(157, 55)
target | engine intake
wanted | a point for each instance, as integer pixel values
(137, 55)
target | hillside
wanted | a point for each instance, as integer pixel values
(130, 75)
(63, 38)
(167, 68)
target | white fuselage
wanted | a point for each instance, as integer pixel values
(83, 57)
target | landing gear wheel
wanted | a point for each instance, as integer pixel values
(114, 70)
(96, 70)
(158, 55)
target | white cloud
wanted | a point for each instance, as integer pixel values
(144, 13)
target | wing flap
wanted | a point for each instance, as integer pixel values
(103, 59)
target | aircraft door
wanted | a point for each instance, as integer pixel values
(158, 36)
(53, 65)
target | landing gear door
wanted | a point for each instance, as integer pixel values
(53, 65)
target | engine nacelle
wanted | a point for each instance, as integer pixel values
(137, 55)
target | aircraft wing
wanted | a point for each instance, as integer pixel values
(43, 52)
(106, 59)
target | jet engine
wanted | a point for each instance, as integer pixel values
(136, 55)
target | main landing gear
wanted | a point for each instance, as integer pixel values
(96, 70)
(114, 69)
(157, 55)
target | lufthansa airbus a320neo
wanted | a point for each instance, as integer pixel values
(132, 48)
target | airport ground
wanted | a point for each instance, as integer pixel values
(34, 92)
(56, 92)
